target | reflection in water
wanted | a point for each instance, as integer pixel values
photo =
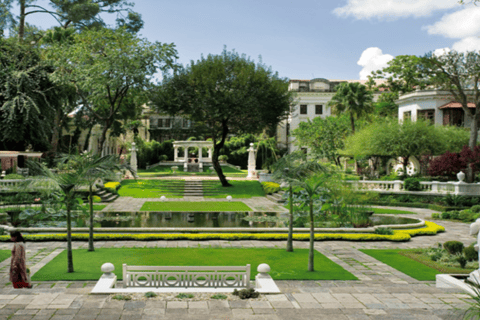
(204, 220)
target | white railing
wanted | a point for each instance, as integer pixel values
(458, 188)
(186, 277)
(12, 184)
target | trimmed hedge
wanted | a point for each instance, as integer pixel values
(270, 187)
(399, 235)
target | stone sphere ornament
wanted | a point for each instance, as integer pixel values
(229, 198)
(163, 198)
(263, 268)
(107, 268)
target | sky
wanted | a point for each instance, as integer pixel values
(332, 39)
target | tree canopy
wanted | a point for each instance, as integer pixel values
(111, 70)
(229, 94)
(394, 139)
(352, 98)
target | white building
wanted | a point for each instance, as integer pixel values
(434, 105)
(312, 97)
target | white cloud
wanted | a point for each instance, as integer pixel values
(467, 44)
(441, 52)
(460, 24)
(392, 9)
(372, 59)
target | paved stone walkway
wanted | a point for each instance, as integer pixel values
(380, 293)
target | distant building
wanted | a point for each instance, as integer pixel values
(312, 97)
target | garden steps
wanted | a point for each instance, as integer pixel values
(193, 189)
(106, 196)
(276, 197)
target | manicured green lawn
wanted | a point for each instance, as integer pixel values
(412, 268)
(284, 265)
(5, 254)
(239, 189)
(391, 211)
(201, 206)
(152, 188)
(96, 207)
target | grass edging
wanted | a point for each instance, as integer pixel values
(398, 236)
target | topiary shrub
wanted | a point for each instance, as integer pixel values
(470, 253)
(246, 293)
(412, 184)
(453, 247)
(435, 215)
(455, 215)
(462, 260)
(467, 215)
(270, 187)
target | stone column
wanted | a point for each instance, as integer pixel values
(210, 153)
(133, 159)
(251, 163)
(200, 154)
(175, 154)
(185, 152)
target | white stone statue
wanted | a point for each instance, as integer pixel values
(251, 163)
(475, 231)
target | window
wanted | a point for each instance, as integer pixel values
(428, 115)
(318, 109)
(407, 115)
(166, 123)
(185, 123)
(303, 109)
(159, 123)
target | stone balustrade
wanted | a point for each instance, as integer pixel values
(11, 184)
(432, 187)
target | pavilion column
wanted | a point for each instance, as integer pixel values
(210, 153)
(175, 154)
(200, 154)
(186, 153)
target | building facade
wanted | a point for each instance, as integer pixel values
(312, 97)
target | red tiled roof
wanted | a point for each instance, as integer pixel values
(456, 105)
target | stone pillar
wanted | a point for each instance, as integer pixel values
(210, 153)
(175, 154)
(200, 154)
(251, 163)
(397, 185)
(185, 152)
(133, 159)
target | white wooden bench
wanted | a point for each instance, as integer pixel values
(186, 277)
(179, 279)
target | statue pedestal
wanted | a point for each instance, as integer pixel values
(252, 174)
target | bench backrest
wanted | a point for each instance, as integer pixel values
(182, 276)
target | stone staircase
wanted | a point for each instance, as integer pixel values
(276, 197)
(193, 188)
(106, 196)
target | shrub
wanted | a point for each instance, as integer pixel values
(412, 184)
(270, 187)
(14, 176)
(246, 293)
(455, 215)
(184, 296)
(223, 157)
(462, 260)
(470, 253)
(121, 297)
(453, 247)
(384, 230)
(219, 296)
(150, 294)
(113, 185)
(97, 199)
(435, 215)
(446, 215)
(475, 209)
(467, 215)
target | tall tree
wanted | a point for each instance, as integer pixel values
(354, 99)
(111, 71)
(229, 94)
(77, 13)
(457, 73)
(28, 99)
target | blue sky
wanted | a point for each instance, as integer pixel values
(308, 39)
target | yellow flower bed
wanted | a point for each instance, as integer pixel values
(112, 185)
(399, 235)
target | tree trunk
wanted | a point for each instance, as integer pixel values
(405, 165)
(290, 221)
(352, 123)
(103, 137)
(21, 24)
(69, 237)
(56, 133)
(216, 151)
(90, 207)
(312, 239)
(472, 143)
(87, 139)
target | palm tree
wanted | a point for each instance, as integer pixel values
(354, 99)
(95, 167)
(84, 169)
(294, 169)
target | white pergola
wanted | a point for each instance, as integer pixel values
(192, 144)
